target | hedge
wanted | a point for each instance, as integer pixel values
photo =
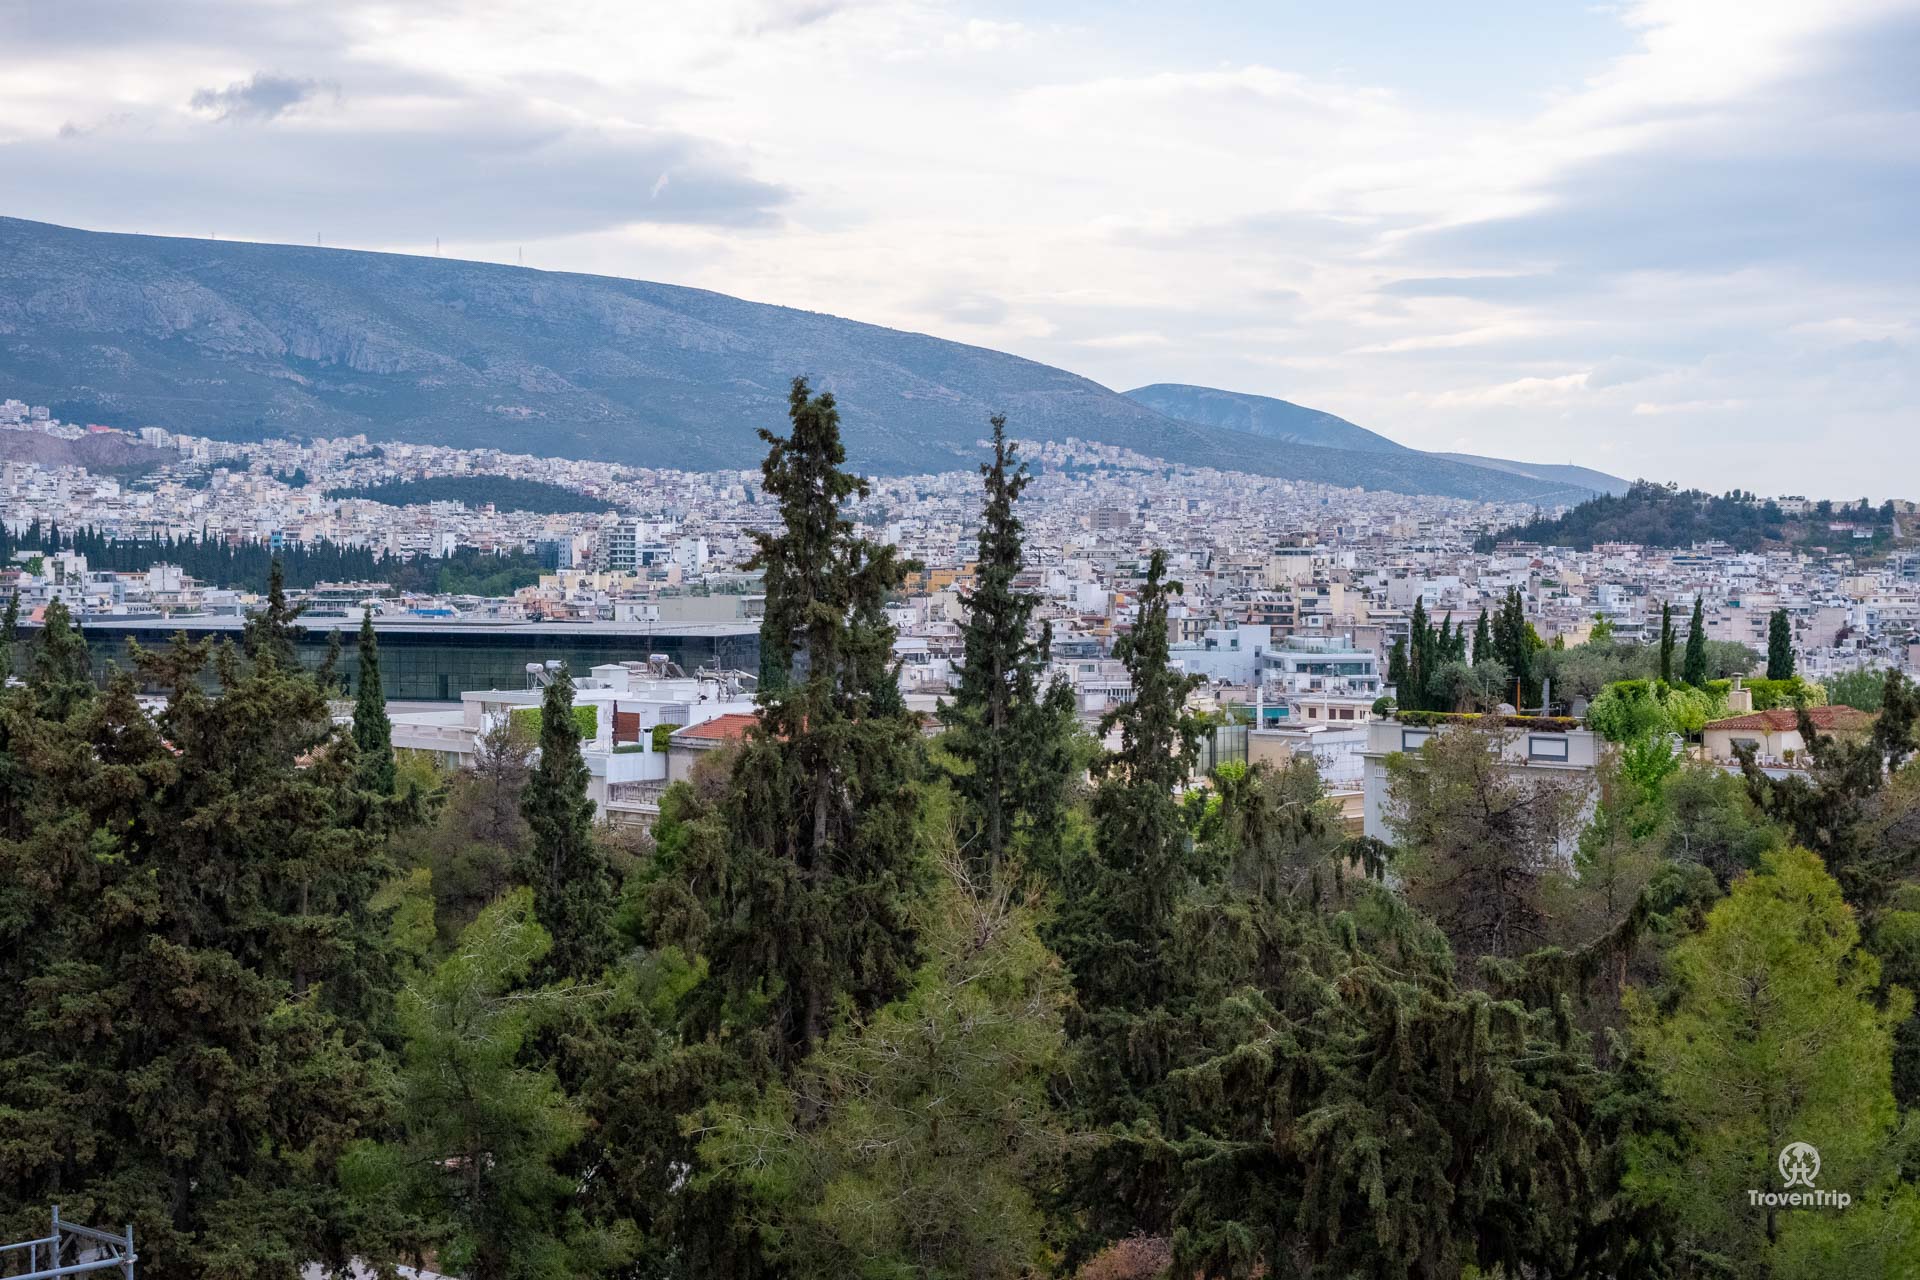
(528, 720)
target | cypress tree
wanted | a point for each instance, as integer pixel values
(270, 634)
(573, 889)
(1694, 670)
(1482, 638)
(372, 730)
(1419, 656)
(1779, 646)
(9, 635)
(808, 896)
(1010, 739)
(1397, 675)
(1116, 928)
(1667, 641)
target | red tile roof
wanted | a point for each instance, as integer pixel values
(731, 727)
(1834, 719)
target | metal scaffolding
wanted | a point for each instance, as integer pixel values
(88, 1249)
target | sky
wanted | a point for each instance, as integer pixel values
(1672, 238)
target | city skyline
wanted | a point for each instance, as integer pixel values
(1662, 239)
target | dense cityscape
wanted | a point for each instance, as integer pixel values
(935, 640)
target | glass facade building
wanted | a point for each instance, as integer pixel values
(430, 661)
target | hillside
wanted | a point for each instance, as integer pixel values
(249, 340)
(1260, 416)
(1657, 516)
(504, 492)
(1552, 472)
(108, 453)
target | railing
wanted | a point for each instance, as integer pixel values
(46, 1256)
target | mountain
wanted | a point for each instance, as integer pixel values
(1556, 473)
(108, 453)
(243, 341)
(1260, 416)
(1283, 420)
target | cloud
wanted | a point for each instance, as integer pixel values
(1520, 391)
(485, 173)
(263, 97)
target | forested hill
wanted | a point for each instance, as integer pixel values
(506, 493)
(1656, 515)
(248, 341)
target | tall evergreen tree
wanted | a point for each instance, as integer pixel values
(1011, 739)
(372, 729)
(1116, 927)
(1779, 646)
(270, 634)
(9, 635)
(807, 896)
(1483, 639)
(1397, 675)
(1667, 641)
(62, 678)
(1694, 669)
(573, 888)
(1419, 656)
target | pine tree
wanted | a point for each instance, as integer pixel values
(62, 679)
(372, 730)
(1779, 646)
(573, 889)
(202, 977)
(1694, 669)
(484, 1133)
(1773, 1036)
(1667, 642)
(1011, 739)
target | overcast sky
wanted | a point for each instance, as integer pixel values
(1676, 238)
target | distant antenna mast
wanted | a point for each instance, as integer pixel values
(436, 246)
(520, 255)
(316, 239)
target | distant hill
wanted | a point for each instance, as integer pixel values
(506, 493)
(1260, 416)
(1557, 473)
(1656, 516)
(245, 341)
(104, 453)
(1298, 425)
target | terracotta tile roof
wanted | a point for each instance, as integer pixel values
(731, 727)
(1834, 719)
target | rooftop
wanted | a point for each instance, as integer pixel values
(1833, 719)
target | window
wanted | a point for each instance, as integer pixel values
(1541, 747)
(1411, 739)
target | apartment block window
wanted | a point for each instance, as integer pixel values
(1541, 747)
